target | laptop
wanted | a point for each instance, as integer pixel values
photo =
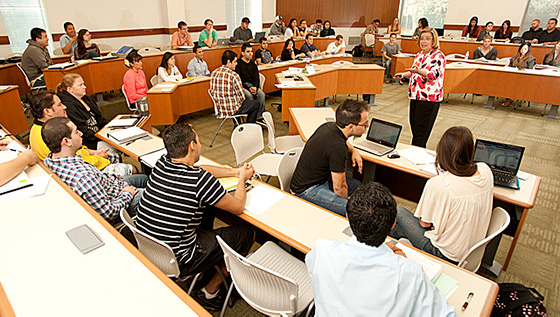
(503, 159)
(223, 42)
(382, 137)
(258, 37)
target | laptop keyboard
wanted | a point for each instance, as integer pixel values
(504, 177)
(373, 147)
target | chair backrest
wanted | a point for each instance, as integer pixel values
(156, 251)
(24, 74)
(263, 289)
(498, 223)
(126, 100)
(247, 140)
(267, 116)
(58, 51)
(370, 39)
(287, 166)
(104, 47)
(216, 113)
(262, 79)
(154, 80)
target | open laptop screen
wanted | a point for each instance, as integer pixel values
(383, 132)
(499, 155)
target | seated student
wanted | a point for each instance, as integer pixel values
(327, 30)
(370, 29)
(106, 194)
(208, 37)
(486, 31)
(134, 80)
(85, 49)
(263, 56)
(177, 208)
(227, 90)
(68, 41)
(249, 73)
(366, 274)
(11, 169)
(320, 176)
(551, 35)
(243, 32)
(303, 29)
(337, 46)
(455, 208)
(533, 32)
(36, 57)
(552, 58)
(504, 32)
(309, 48)
(197, 66)
(278, 27)
(292, 31)
(375, 24)
(167, 70)
(394, 27)
(422, 26)
(46, 105)
(316, 28)
(486, 51)
(181, 37)
(389, 49)
(472, 30)
(522, 60)
(290, 52)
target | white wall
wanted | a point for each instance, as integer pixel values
(460, 11)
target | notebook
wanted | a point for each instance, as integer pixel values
(503, 159)
(128, 134)
(381, 139)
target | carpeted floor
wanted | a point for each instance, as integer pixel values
(536, 257)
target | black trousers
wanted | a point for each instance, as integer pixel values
(252, 108)
(422, 116)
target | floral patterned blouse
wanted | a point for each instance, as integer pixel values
(429, 88)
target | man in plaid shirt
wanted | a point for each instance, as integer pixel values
(226, 88)
(107, 194)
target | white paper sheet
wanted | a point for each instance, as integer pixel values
(151, 159)
(261, 198)
(417, 156)
(39, 187)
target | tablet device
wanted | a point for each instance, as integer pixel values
(84, 238)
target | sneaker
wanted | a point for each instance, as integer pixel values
(214, 304)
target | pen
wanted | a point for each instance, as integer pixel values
(471, 294)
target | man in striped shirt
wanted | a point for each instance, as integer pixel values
(107, 194)
(227, 90)
(176, 208)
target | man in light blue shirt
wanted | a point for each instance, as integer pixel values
(68, 41)
(366, 277)
(197, 66)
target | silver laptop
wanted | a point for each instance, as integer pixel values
(223, 42)
(503, 159)
(258, 37)
(381, 139)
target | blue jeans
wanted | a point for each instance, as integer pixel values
(409, 227)
(39, 82)
(387, 64)
(139, 181)
(323, 195)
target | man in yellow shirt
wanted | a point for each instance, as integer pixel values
(46, 105)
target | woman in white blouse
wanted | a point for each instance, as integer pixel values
(167, 71)
(455, 208)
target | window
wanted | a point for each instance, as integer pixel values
(20, 16)
(539, 9)
(238, 9)
(412, 10)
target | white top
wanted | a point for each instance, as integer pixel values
(459, 208)
(289, 33)
(353, 279)
(163, 76)
(333, 49)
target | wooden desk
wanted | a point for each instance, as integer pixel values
(329, 81)
(406, 180)
(11, 75)
(43, 274)
(11, 111)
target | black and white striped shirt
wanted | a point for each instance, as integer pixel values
(171, 207)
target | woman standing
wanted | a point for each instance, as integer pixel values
(504, 32)
(425, 89)
(454, 211)
(472, 30)
(394, 27)
(167, 71)
(486, 50)
(85, 49)
(327, 30)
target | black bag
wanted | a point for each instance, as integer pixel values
(517, 40)
(517, 300)
(357, 51)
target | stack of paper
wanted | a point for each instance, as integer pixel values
(124, 121)
(128, 134)
(61, 65)
(151, 159)
(261, 198)
(430, 267)
(446, 285)
(417, 156)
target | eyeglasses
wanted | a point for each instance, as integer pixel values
(365, 125)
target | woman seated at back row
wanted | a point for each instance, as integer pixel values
(486, 51)
(134, 80)
(552, 58)
(455, 208)
(290, 52)
(167, 70)
(85, 49)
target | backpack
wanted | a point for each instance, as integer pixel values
(517, 300)
(357, 51)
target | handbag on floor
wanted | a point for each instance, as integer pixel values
(517, 300)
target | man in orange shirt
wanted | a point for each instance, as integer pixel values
(181, 37)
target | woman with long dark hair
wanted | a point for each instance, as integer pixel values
(552, 58)
(454, 211)
(504, 32)
(167, 70)
(292, 31)
(394, 27)
(85, 49)
(422, 26)
(472, 30)
(327, 29)
(290, 51)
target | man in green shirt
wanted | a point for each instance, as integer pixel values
(204, 39)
